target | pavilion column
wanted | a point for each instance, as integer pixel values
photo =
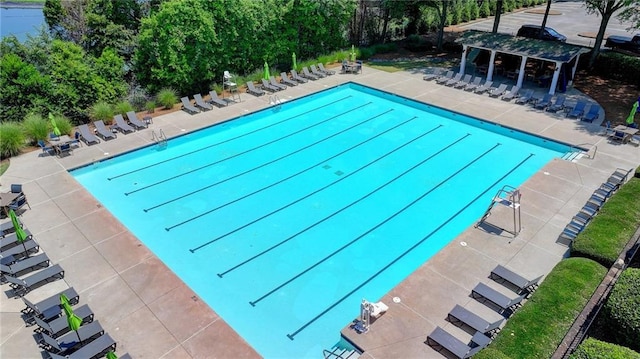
(463, 60)
(491, 65)
(554, 80)
(521, 73)
(573, 70)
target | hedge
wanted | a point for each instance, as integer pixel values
(596, 349)
(621, 312)
(618, 66)
(608, 233)
(536, 330)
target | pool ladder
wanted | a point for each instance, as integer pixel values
(160, 139)
(583, 149)
(274, 100)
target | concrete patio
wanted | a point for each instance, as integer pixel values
(152, 314)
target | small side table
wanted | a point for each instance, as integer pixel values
(147, 119)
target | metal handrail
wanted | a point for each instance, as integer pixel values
(591, 147)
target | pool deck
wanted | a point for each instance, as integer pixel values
(152, 314)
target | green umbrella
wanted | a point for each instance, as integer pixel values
(293, 59)
(56, 131)
(20, 233)
(111, 355)
(632, 114)
(353, 53)
(73, 320)
(266, 71)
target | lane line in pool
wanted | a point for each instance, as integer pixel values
(228, 140)
(278, 159)
(292, 335)
(315, 191)
(342, 209)
(244, 152)
(383, 222)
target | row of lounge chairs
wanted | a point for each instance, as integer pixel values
(591, 208)
(202, 105)
(26, 267)
(106, 133)
(273, 86)
(482, 330)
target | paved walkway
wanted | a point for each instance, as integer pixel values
(152, 314)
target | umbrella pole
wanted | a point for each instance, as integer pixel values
(80, 340)
(26, 252)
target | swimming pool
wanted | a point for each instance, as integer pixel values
(283, 220)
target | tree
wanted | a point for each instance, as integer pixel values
(496, 19)
(544, 19)
(23, 88)
(606, 8)
(441, 8)
(631, 14)
(66, 19)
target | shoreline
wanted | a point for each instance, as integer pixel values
(21, 5)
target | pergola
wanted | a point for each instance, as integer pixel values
(556, 52)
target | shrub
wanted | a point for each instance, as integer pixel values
(536, 330)
(596, 349)
(102, 111)
(150, 106)
(138, 99)
(64, 124)
(618, 66)
(167, 98)
(606, 236)
(35, 128)
(485, 10)
(621, 312)
(12, 139)
(122, 107)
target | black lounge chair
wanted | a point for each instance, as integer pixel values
(440, 339)
(526, 97)
(298, 78)
(95, 349)
(285, 80)
(578, 110)
(473, 85)
(483, 293)
(544, 102)
(60, 325)
(433, 75)
(87, 136)
(326, 71)
(121, 125)
(50, 307)
(19, 251)
(188, 107)
(524, 286)
(216, 100)
(22, 286)
(200, 103)
(308, 75)
(485, 87)
(26, 265)
(135, 121)
(511, 94)
(558, 105)
(11, 240)
(66, 343)
(104, 132)
(317, 72)
(267, 86)
(253, 90)
(461, 315)
(592, 114)
(498, 91)
(463, 83)
(274, 83)
(444, 78)
(454, 80)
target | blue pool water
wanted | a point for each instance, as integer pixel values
(283, 220)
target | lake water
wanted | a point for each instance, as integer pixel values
(20, 21)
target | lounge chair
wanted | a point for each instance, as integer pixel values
(506, 305)
(298, 78)
(523, 285)
(253, 90)
(461, 315)
(316, 72)
(95, 349)
(22, 286)
(444, 78)
(463, 83)
(498, 91)
(104, 132)
(308, 75)
(485, 87)
(440, 339)
(326, 71)
(473, 85)
(526, 97)
(544, 102)
(10, 240)
(60, 325)
(18, 251)
(121, 125)
(48, 308)
(454, 80)
(511, 94)
(26, 265)
(188, 107)
(133, 119)
(267, 86)
(285, 80)
(214, 99)
(200, 103)
(557, 105)
(578, 110)
(433, 75)
(592, 114)
(45, 149)
(87, 136)
(66, 343)
(273, 82)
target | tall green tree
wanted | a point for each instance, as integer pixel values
(631, 13)
(606, 9)
(22, 88)
(112, 24)
(441, 8)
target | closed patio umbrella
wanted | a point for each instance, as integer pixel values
(632, 114)
(111, 355)
(73, 320)
(266, 71)
(293, 60)
(353, 53)
(56, 131)
(20, 233)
